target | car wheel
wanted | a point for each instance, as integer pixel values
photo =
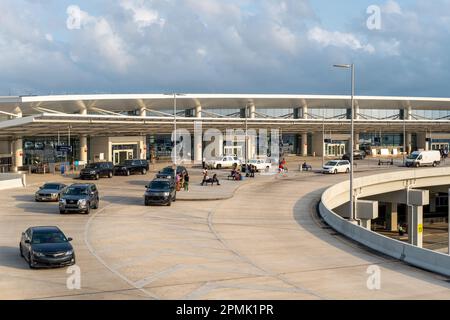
(417, 165)
(96, 204)
(62, 211)
(144, 171)
(335, 171)
(434, 164)
(110, 174)
(21, 251)
(30, 262)
(88, 208)
(97, 176)
(146, 203)
(128, 172)
(347, 170)
(37, 200)
(219, 166)
(174, 198)
(169, 203)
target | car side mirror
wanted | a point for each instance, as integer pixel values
(159, 171)
(146, 186)
(69, 239)
(41, 187)
(27, 241)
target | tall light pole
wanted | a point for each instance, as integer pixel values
(175, 125)
(352, 68)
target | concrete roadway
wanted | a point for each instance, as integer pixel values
(266, 242)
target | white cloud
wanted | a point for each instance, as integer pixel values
(143, 17)
(392, 7)
(49, 37)
(338, 39)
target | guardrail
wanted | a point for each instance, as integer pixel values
(12, 180)
(338, 194)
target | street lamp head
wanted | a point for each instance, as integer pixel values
(347, 66)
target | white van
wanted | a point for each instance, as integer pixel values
(423, 158)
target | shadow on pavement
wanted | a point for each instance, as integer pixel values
(10, 257)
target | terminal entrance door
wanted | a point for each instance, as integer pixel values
(335, 149)
(119, 156)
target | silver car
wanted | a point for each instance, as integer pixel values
(49, 192)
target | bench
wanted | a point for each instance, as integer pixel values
(308, 167)
(388, 162)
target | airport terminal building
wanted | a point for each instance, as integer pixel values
(115, 127)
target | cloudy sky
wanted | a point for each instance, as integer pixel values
(218, 46)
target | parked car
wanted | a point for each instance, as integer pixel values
(46, 247)
(224, 162)
(336, 166)
(79, 198)
(357, 155)
(169, 172)
(97, 170)
(131, 166)
(49, 192)
(423, 158)
(261, 164)
(160, 191)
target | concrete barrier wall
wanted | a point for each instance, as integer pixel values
(12, 180)
(339, 194)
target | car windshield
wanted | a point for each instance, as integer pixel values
(51, 186)
(76, 191)
(159, 185)
(331, 163)
(413, 156)
(93, 166)
(48, 237)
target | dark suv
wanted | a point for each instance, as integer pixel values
(131, 166)
(160, 191)
(79, 198)
(97, 170)
(169, 172)
(357, 155)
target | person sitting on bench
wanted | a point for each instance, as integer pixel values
(306, 166)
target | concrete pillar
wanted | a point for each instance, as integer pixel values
(198, 136)
(356, 142)
(252, 111)
(317, 144)
(415, 225)
(198, 111)
(305, 111)
(409, 143)
(356, 110)
(18, 154)
(392, 216)
(304, 144)
(17, 146)
(83, 149)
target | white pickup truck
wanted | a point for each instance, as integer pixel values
(224, 162)
(423, 158)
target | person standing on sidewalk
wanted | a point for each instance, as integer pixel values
(186, 182)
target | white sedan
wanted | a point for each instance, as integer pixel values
(336, 166)
(224, 162)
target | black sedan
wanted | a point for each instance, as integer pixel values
(46, 247)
